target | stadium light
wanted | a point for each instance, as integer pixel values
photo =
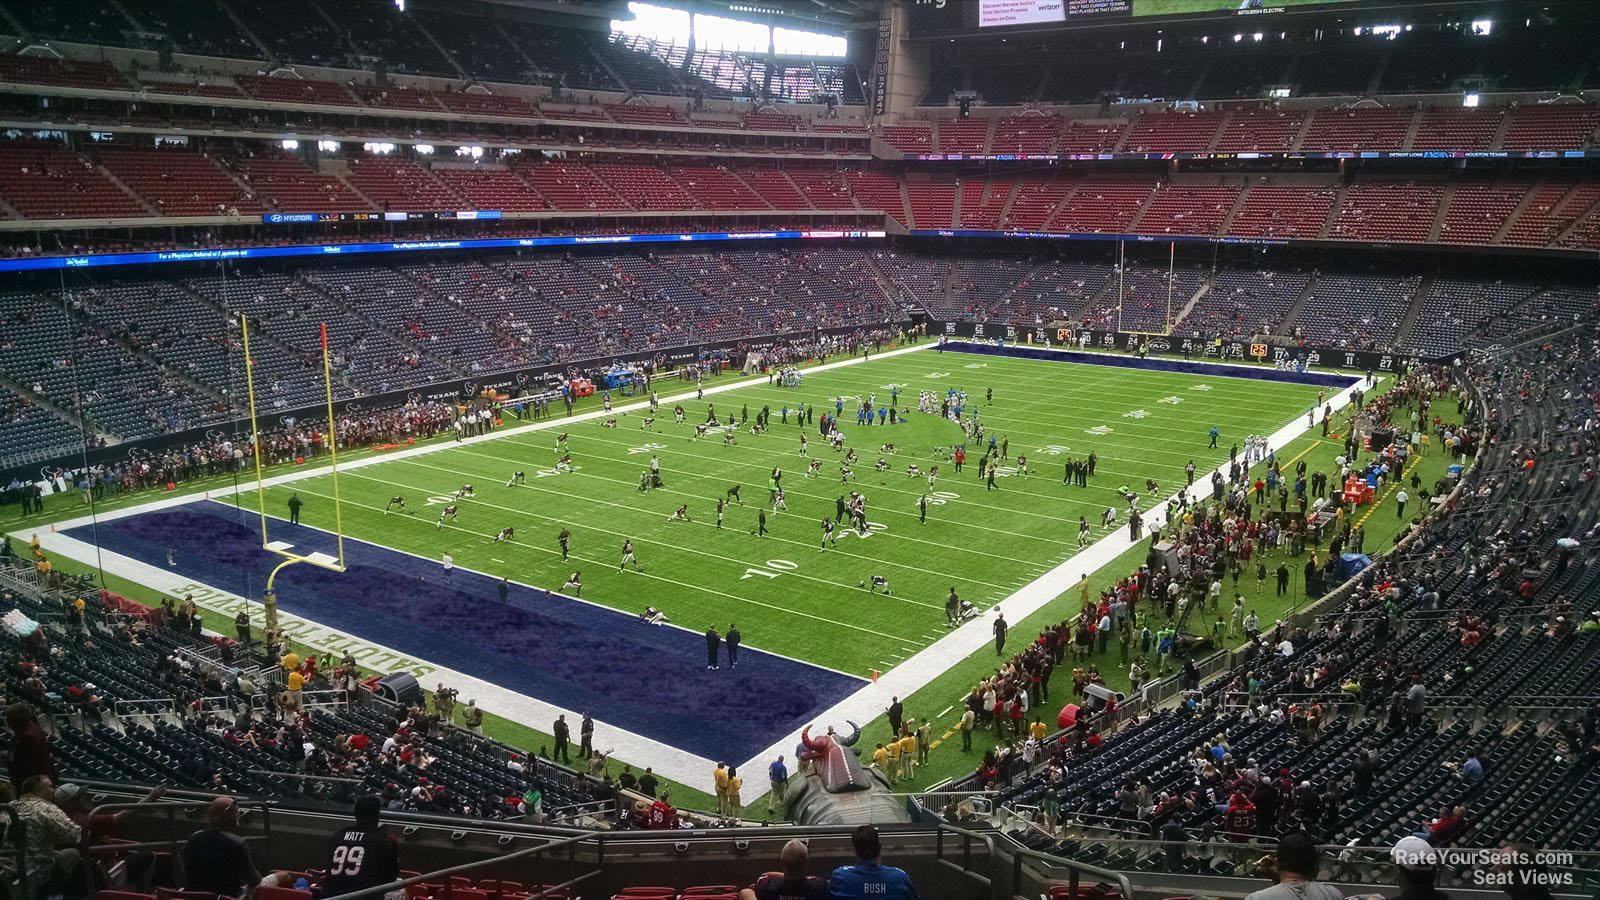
(1470, 100)
(328, 146)
(1257, 36)
(1237, 38)
(1482, 27)
(474, 151)
(289, 144)
(379, 148)
(425, 149)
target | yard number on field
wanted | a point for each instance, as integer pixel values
(773, 569)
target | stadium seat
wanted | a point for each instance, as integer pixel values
(277, 893)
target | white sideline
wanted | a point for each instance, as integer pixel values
(907, 677)
(668, 761)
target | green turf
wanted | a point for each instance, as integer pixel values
(787, 594)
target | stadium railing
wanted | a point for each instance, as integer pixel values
(947, 861)
(163, 815)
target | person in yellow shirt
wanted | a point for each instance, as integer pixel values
(894, 760)
(1036, 730)
(720, 776)
(732, 793)
(880, 758)
(294, 682)
(908, 753)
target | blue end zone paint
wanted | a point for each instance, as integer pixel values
(1317, 379)
(647, 680)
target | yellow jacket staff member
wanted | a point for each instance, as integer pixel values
(720, 776)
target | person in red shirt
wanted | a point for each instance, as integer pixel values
(662, 815)
(140, 864)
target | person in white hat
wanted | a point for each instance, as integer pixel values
(1416, 864)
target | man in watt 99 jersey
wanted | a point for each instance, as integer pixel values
(361, 855)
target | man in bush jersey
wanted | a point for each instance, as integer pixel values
(362, 856)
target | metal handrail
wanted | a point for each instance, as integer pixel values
(308, 699)
(173, 841)
(965, 866)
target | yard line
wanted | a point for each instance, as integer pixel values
(898, 535)
(881, 487)
(773, 538)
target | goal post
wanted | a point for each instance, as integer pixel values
(1168, 322)
(278, 547)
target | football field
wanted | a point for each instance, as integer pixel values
(785, 593)
(813, 635)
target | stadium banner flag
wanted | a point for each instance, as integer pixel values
(880, 67)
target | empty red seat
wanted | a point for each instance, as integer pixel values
(278, 893)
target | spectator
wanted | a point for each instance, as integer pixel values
(794, 883)
(1416, 866)
(869, 877)
(363, 856)
(50, 852)
(1470, 769)
(139, 866)
(216, 859)
(662, 815)
(1295, 872)
(1524, 879)
(30, 748)
(1444, 830)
